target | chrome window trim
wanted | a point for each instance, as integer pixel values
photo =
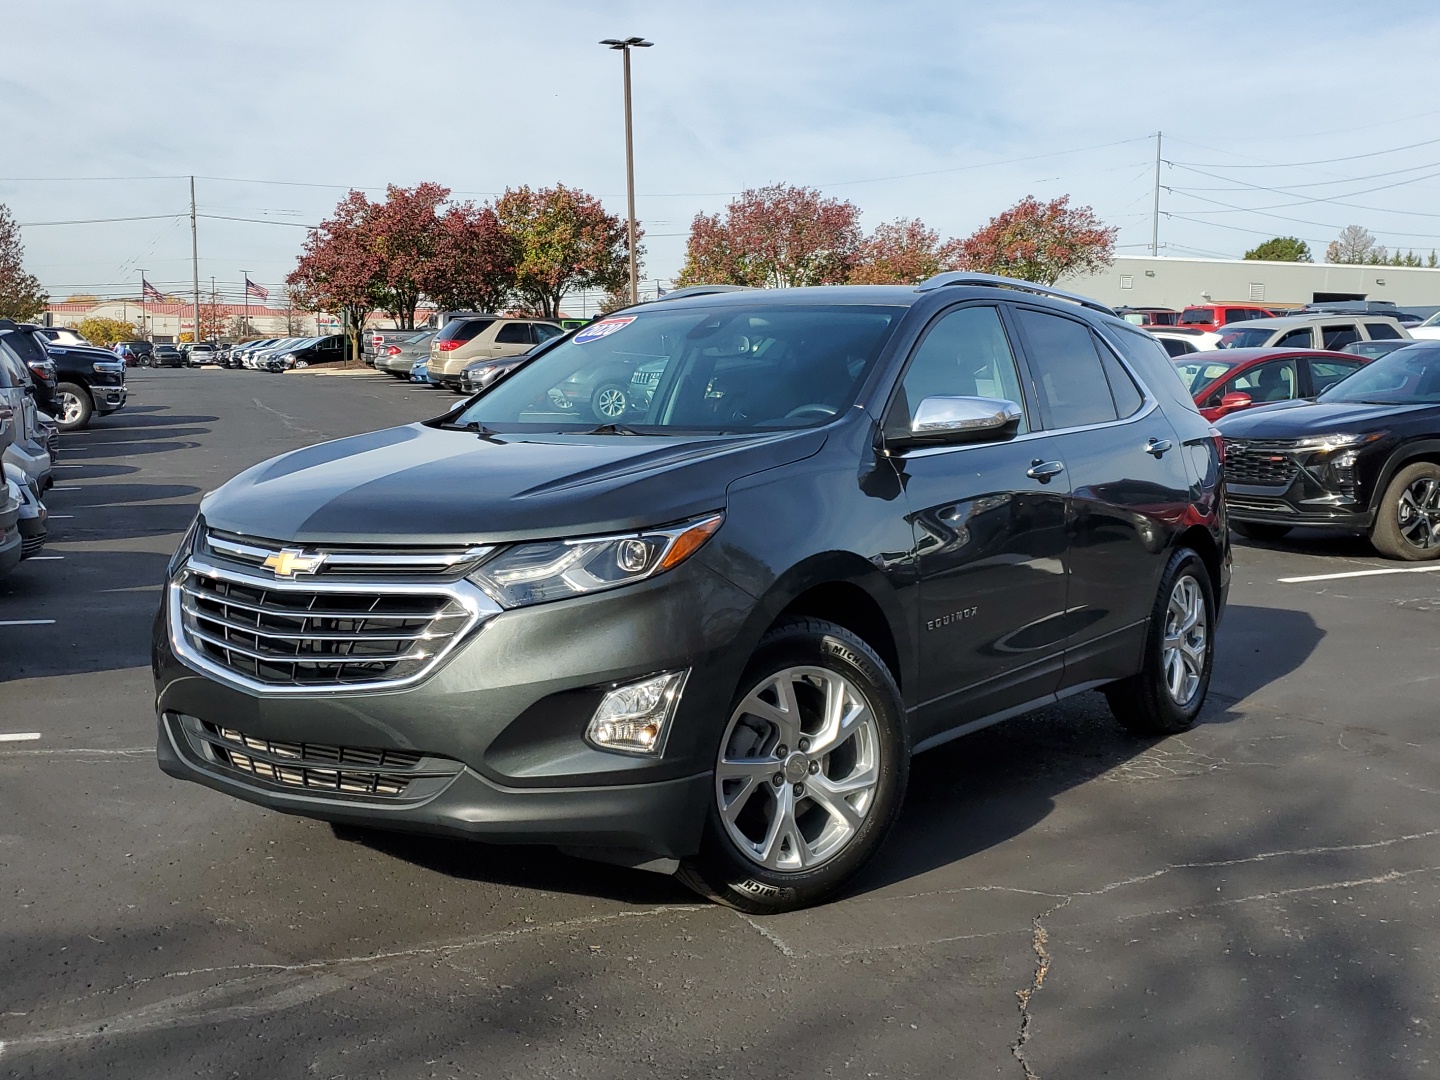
(477, 604)
(1043, 433)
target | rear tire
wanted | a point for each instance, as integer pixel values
(609, 402)
(778, 847)
(1407, 523)
(1165, 697)
(76, 408)
(1254, 530)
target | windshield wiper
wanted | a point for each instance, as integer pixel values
(474, 427)
(614, 429)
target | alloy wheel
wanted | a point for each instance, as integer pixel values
(70, 408)
(798, 770)
(610, 402)
(1418, 513)
(1183, 654)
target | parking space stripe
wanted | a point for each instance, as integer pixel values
(19, 736)
(1359, 573)
(27, 622)
(45, 558)
(73, 487)
(60, 517)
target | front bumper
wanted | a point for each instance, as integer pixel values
(509, 707)
(109, 399)
(1300, 505)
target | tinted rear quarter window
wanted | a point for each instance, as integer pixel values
(1128, 398)
(513, 334)
(1148, 360)
(1337, 336)
(1380, 331)
(1069, 379)
(463, 329)
(25, 346)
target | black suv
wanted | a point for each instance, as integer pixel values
(848, 525)
(87, 380)
(1364, 455)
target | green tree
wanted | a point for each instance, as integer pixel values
(20, 294)
(1281, 249)
(561, 239)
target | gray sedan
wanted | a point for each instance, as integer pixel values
(396, 357)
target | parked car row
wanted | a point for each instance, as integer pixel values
(281, 354)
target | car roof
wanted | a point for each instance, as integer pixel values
(1284, 322)
(1245, 356)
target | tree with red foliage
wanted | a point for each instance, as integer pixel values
(1040, 242)
(405, 232)
(774, 236)
(340, 269)
(472, 267)
(901, 252)
(561, 239)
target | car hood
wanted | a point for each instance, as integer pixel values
(423, 485)
(1294, 419)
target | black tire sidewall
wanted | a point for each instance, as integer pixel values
(734, 879)
(1385, 535)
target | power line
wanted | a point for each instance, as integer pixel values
(1332, 200)
(1302, 164)
(98, 221)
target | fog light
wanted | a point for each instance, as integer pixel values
(634, 719)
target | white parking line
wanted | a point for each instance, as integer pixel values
(72, 487)
(64, 466)
(60, 517)
(19, 736)
(45, 558)
(27, 622)
(1360, 573)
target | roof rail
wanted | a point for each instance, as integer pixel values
(699, 290)
(995, 281)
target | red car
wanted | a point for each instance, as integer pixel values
(1224, 381)
(1214, 316)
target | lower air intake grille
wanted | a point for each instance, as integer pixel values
(322, 768)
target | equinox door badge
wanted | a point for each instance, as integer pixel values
(953, 617)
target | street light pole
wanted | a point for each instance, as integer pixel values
(624, 47)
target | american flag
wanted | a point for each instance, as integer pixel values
(251, 289)
(150, 292)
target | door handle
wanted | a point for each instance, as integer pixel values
(1044, 470)
(1158, 447)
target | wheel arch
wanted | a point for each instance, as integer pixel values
(1405, 454)
(845, 589)
(1200, 540)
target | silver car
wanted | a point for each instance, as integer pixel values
(29, 450)
(398, 357)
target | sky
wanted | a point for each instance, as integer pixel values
(1278, 118)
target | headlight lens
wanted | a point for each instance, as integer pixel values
(1336, 442)
(556, 569)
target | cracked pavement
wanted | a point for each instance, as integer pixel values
(1256, 897)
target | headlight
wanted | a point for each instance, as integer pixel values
(182, 553)
(1336, 442)
(556, 569)
(288, 357)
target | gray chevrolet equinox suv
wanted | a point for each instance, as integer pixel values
(706, 637)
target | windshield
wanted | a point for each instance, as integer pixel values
(732, 369)
(1434, 320)
(1244, 337)
(1197, 374)
(1408, 376)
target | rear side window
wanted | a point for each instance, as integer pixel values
(1326, 373)
(544, 332)
(1339, 336)
(1127, 396)
(1380, 331)
(25, 346)
(1156, 370)
(513, 334)
(1069, 379)
(463, 329)
(1295, 339)
(1175, 347)
(11, 366)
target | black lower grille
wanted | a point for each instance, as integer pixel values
(324, 768)
(1263, 464)
(32, 545)
(1258, 504)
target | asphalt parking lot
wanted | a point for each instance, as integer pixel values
(1251, 899)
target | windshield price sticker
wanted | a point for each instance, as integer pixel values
(603, 328)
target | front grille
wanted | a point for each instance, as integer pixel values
(350, 562)
(1265, 464)
(32, 545)
(321, 767)
(292, 636)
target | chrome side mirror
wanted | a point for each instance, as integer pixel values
(963, 419)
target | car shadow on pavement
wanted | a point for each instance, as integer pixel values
(1257, 646)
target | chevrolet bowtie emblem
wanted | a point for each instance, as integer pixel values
(291, 561)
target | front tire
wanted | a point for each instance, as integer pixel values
(818, 711)
(1255, 530)
(1407, 524)
(76, 408)
(1166, 695)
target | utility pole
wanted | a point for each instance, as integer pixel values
(625, 47)
(195, 262)
(1155, 219)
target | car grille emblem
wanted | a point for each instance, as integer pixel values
(292, 561)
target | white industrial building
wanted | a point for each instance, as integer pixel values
(1163, 281)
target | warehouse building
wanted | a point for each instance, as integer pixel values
(1163, 281)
